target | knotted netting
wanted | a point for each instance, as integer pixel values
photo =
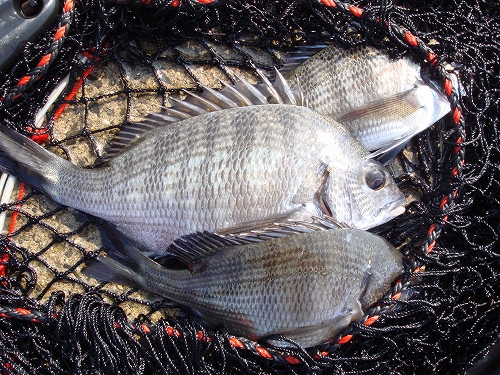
(105, 64)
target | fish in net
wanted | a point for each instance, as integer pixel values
(123, 60)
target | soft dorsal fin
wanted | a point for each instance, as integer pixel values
(297, 57)
(194, 247)
(126, 138)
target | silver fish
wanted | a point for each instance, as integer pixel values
(222, 169)
(384, 102)
(307, 286)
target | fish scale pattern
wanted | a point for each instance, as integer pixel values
(280, 148)
(452, 280)
(350, 73)
(296, 276)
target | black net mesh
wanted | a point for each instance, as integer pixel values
(123, 59)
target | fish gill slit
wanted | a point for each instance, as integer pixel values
(320, 194)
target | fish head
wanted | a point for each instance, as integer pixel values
(365, 196)
(379, 199)
(384, 266)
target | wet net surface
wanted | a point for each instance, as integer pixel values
(123, 60)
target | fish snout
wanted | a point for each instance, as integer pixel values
(393, 209)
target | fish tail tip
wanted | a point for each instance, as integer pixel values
(22, 157)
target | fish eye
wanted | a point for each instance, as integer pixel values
(375, 179)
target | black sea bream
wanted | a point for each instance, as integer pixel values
(383, 101)
(222, 169)
(306, 286)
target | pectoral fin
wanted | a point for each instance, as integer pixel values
(409, 110)
(259, 224)
(390, 108)
(364, 287)
(386, 154)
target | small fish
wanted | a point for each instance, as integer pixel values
(306, 286)
(384, 102)
(218, 170)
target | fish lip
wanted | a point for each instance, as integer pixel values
(395, 208)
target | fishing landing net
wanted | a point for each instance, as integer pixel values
(105, 64)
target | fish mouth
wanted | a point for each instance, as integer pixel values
(394, 208)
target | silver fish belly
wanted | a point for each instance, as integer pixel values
(306, 286)
(216, 171)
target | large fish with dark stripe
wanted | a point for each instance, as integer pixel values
(258, 164)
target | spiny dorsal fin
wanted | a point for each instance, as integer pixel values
(251, 92)
(241, 94)
(287, 94)
(237, 96)
(216, 97)
(190, 109)
(205, 103)
(280, 92)
(195, 247)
